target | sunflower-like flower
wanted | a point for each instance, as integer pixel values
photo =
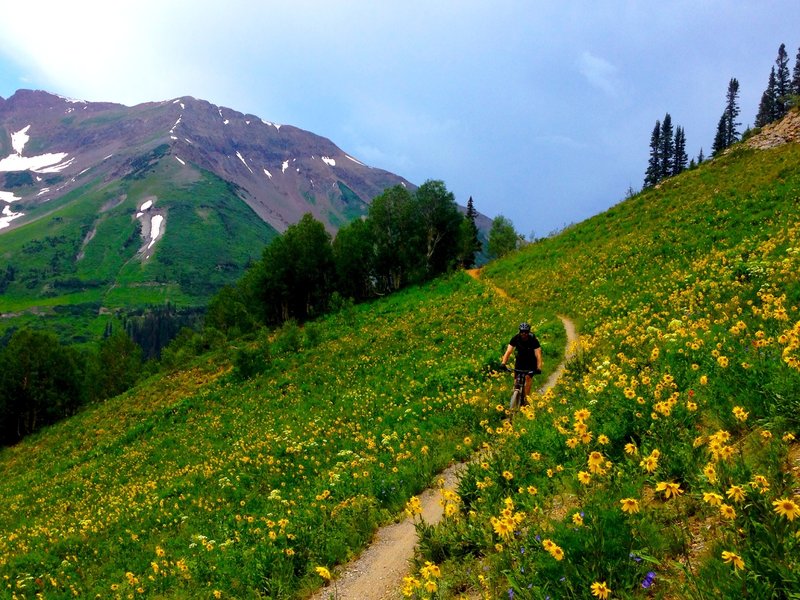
(786, 508)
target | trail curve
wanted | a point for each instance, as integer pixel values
(377, 573)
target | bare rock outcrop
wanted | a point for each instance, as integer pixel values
(785, 131)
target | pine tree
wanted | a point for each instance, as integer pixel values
(727, 132)
(701, 157)
(766, 108)
(732, 113)
(782, 83)
(652, 175)
(796, 75)
(470, 244)
(719, 139)
(667, 150)
(680, 159)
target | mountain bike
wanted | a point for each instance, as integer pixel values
(518, 396)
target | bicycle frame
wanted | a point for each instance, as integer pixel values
(518, 395)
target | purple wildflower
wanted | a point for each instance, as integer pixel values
(648, 580)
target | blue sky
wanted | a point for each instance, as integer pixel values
(541, 111)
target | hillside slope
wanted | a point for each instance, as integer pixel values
(660, 464)
(665, 462)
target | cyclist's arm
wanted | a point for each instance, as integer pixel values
(506, 356)
(538, 353)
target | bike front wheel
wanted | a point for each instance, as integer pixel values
(514, 402)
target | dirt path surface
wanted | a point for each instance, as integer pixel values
(377, 574)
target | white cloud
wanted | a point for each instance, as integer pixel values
(599, 72)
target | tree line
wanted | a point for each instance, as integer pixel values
(668, 155)
(43, 381)
(406, 238)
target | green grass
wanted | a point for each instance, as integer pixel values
(686, 379)
(196, 471)
(83, 249)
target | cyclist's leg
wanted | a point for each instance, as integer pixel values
(528, 383)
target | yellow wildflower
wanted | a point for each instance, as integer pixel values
(669, 488)
(630, 505)
(600, 590)
(786, 508)
(736, 493)
(734, 559)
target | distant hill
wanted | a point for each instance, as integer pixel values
(104, 206)
(280, 171)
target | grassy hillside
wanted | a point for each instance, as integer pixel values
(82, 253)
(202, 482)
(663, 465)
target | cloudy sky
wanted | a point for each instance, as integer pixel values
(541, 111)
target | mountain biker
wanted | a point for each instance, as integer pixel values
(529, 353)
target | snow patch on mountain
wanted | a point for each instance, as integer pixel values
(355, 160)
(43, 163)
(155, 229)
(19, 139)
(8, 215)
(9, 197)
(329, 161)
(244, 162)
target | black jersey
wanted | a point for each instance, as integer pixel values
(526, 351)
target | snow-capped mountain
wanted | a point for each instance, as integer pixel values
(51, 146)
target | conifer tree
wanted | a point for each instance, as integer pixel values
(701, 157)
(732, 112)
(680, 159)
(766, 108)
(667, 150)
(727, 132)
(652, 175)
(470, 245)
(719, 138)
(796, 75)
(782, 83)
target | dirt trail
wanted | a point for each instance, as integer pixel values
(377, 574)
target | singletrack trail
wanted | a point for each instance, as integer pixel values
(377, 573)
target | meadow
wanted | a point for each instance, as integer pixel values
(664, 464)
(207, 484)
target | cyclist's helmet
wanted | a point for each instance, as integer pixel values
(524, 327)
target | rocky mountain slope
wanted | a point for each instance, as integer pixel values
(52, 145)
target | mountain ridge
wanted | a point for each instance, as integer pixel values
(281, 171)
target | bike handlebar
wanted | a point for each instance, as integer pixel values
(526, 371)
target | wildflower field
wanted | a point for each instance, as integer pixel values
(204, 484)
(664, 464)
